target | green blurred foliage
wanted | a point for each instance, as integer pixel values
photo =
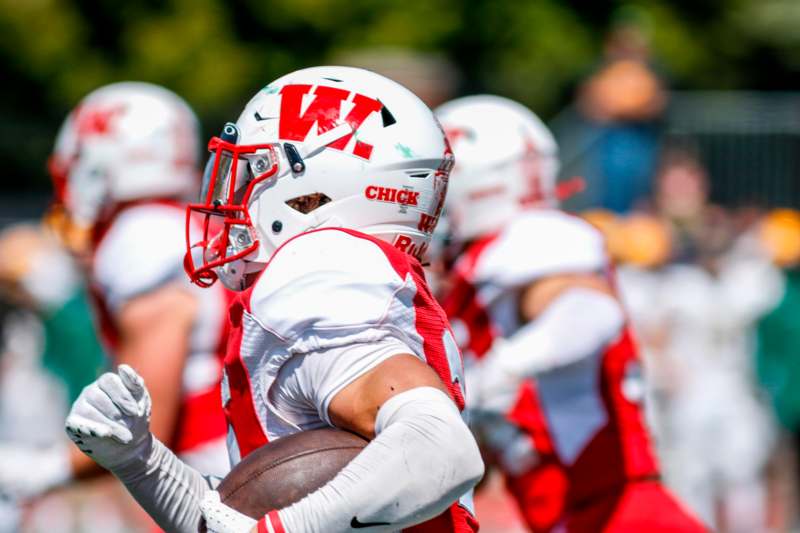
(216, 53)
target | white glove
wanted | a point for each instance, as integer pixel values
(110, 420)
(491, 389)
(223, 519)
(27, 472)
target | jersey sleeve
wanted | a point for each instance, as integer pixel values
(541, 244)
(315, 378)
(328, 289)
(142, 251)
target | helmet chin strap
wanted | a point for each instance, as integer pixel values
(234, 275)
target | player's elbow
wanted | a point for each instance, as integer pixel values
(439, 453)
(456, 452)
(467, 460)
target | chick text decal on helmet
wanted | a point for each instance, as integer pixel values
(391, 195)
(325, 109)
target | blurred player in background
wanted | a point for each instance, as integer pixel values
(317, 202)
(124, 160)
(695, 284)
(555, 381)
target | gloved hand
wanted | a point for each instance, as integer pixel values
(110, 420)
(491, 389)
(220, 518)
(27, 472)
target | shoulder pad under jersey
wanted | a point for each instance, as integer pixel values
(330, 288)
(142, 251)
(541, 243)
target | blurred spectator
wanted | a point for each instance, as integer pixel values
(40, 281)
(49, 353)
(695, 286)
(681, 198)
(624, 100)
(778, 348)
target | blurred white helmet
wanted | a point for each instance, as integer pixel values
(123, 142)
(506, 160)
(320, 147)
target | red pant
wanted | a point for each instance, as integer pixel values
(641, 506)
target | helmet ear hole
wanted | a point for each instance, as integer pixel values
(308, 203)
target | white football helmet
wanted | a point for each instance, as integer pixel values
(124, 142)
(320, 147)
(506, 160)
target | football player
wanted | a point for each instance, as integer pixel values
(124, 161)
(555, 379)
(316, 205)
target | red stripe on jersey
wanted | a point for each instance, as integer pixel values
(104, 321)
(239, 410)
(462, 303)
(527, 413)
(431, 321)
(275, 521)
(262, 526)
(200, 420)
(632, 436)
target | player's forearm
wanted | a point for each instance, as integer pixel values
(421, 461)
(577, 324)
(166, 487)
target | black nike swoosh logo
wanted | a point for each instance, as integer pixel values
(355, 524)
(260, 118)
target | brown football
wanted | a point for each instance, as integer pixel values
(284, 471)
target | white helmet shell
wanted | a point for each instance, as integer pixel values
(125, 141)
(369, 146)
(506, 160)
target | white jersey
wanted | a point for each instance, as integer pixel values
(330, 306)
(140, 252)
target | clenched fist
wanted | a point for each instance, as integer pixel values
(110, 420)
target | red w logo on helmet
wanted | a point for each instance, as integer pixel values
(96, 120)
(325, 110)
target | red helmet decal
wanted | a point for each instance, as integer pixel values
(455, 134)
(427, 223)
(95, 119)
(325, 110)
(532, 168)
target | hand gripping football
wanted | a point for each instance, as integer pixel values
(284, 471)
